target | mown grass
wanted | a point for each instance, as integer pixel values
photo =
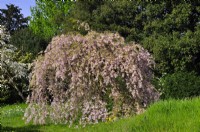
(169, 115)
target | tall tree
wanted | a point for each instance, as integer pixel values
(12, 18)
(168, 29)
(48, 17)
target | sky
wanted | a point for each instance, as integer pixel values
(23, 4)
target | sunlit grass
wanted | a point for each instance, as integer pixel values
(169, 115)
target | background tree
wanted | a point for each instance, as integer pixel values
(168, 29)
(12, 18)
(119, 16)
(173, 25)
(28, 42)
(48, 16)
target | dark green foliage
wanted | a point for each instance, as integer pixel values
(12, 18)
(180, 85)
(28, 42)
(8, 95)
(168, 29)
(175, 52)
(117, 16)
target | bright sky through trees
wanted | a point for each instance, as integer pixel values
(23, 4)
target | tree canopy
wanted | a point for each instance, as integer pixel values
(12, 18)
(48, 17)
(168, 29)
(28, 42)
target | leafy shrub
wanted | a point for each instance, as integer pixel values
(180, 85)
(13, 74)
(88, 79)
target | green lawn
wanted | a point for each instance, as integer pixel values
(171, 115)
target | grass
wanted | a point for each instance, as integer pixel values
(169, 115)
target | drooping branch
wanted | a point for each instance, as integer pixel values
(90, 78)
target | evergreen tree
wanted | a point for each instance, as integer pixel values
(12, 18)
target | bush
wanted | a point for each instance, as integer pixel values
(89, 79)
(180, 85)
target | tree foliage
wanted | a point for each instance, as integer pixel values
(12, 18)
(173, 26)
(180, 85)
(13, 75)
(175, 52)
(48, 17)
(28, 42)
(88, 79)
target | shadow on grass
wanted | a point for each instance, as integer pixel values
(30, 128)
